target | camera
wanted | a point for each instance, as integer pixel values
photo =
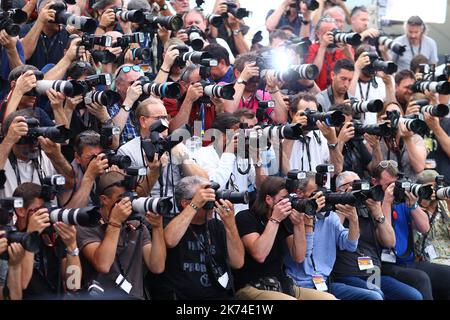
(292, 178)
(377, 64)
(106, 98)
(215, 20)
(362, 190)
(157, 145)
(442, 192)
(10, 20)
(52, 186)
(334, 198)
(94, 80)
(439, 110)
(103, 56)
(29, 241)
(91, 40)
(170, 90)
(264, 61)
(322, 173)
(106, 135)
(122, 161)
(261, 111)
(380, 129)
(173, 23)
(136, 171)
(366, 106)
(85, 217)
(310, 4)
(58, 134)
(223, 91)
(351, 38)
(80, 23)
(127, 39)
(441, 87)
(136, 16)
(197, 57)
(299, 45)
(418, 190)
(161, 206)
(230, 195)
(331, 118)
(239, 13)
(141, 53)
(307, 206)
(69, 88)
(196, 38)
(415, 124)
(392, 45)
(11, 203)
(306, 71)
(289, 131)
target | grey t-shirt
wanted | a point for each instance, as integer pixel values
(428, 48)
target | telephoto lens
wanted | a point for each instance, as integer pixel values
(289, 131)
(366, 106)
(311, 4)
(306, 71)
(173, 23)
(136, 16)
(232, 196)
(103, 56)
(415, 125)
(443, 193)
(281, 75)
(68, 88)
(106, 98)
(334, 198)
(331, 118)
(195, 36)
(392, 45)
(307, 206)
(439, 110)
(351, 38)
(58, 134)
(141, 53)
(10, 19)
(421, 191)
(29, 241)
(195, 57)
(380, 129)
(161, 206)
(223, 91)
(85, 217)
(441, 87)
(122, 161)
(215, 20)
(170, 90)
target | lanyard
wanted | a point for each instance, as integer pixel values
(364, 98)
(306, 144)
(202, 115)
(52, 43)
(412, 50)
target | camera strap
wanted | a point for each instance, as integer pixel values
(36, 168)
(305, 144)
(412, 50)
(425, 236)
(366, 97)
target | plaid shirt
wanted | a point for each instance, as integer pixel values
(129, 131)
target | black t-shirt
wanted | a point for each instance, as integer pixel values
(356, 156)
(442, 160)
(188, 275)
(273, 266)
(347, 262)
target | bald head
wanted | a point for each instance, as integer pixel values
(148, 112)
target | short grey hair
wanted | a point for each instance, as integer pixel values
(187, 72)
(344, 175)
(101, 4)
(185, 189)
(325, 20)
(334, 9)
(303, 183)
(139, 4)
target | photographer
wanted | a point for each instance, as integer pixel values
(247, 95)
(13, 273)
(324, 52)
(201, 248)
(11, 56)
(117, 251)
(404, 146)
(416, 42)
(26, 162)
(323, 237)
(407, 216)
(314, 147)
(268, 235)
(404, 80)
(337, 92)
(169, 70)
(223, 72)
(106, 16)
(56, 267)
(222, 161)
(361, 153)
(180, 6)
(44, 41)
(288, 14)
(351, 282)
(164, 172)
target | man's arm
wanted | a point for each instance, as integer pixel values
(238, 37)
(286, 156)
(16, 253)
(250, 70)
(416, 151)
(325, 40)
(58, 72)
(441, 136)
(194, 92)
(273, 20)
(384, 231)
(155, 252)
(10, 44)
(297, 242)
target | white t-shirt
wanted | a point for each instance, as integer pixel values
(27, 172)
(224, 169)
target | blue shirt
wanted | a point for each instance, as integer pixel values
(129, 131)
(320, 247)
(401, 229)
(284, 21)
(228, 77)
(6, 69)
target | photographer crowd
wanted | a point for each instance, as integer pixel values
(149, 150)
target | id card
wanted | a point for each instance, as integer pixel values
(430, 252)
(124, 284)
(223, 280)
(388, 255)
(365, 263)
(320, 283)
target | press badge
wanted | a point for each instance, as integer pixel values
(387, 255)
(124, 284)
(430, 252)
(320, 283)
(365, 263)
(223, 280)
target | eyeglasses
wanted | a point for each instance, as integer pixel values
(83, 64)
(166, 117)
(388, 163)
(127, 69)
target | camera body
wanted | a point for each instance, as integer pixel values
(379, 129)
(58, 134)
(403, 185)
(80, 23)
(151, 21)
(196, 38)
(10, 20)
(91, 40)
(136, 16)
(377, 64)
(157, 145)
(331, 118)
(239, 13)
(230, 195)
(127, 39)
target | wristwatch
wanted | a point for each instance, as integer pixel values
(193, 206)
(259, 164)
(381, 219)
(236, 32)
(240, 81)
(73, 253)
(332, 146)
(414, 206)
(126, 108)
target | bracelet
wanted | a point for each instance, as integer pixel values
(275, 91)
(309, 225)
(115, 225)
(165, 71)
(194, 206)
(274, 220)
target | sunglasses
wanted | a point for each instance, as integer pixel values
(83, 64)
(386, 163)
(127, 69)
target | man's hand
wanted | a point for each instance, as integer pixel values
(75, 50)
(320, 200)
(68, 234)
(121, 211)
(432, 122)
(7, 41)
(374, 208)
(412, 108)
(370, 33)
(233, 22)
(348, 211)
(328, 132)
(194, 92)
(50, 148)
(389, 194)
(363, 61)
(373, 141)
(297, 218)
(97, 166)
(225, 209)
(133, 93)
(250, 70)
(272, 83)
(301, 118)
(46, 14)
(182, 35)
(204, 195)
(404, 132)
(170, 57)
(98, 110)
(232, 144)
(347, 132)
(156, 220)
(410, 199)
(39, 221)
(107, 19)
(17, 130)
(25, 82)
(117, 51)
(72, 102)
(3, 242)
(326, 39)
(56, 98)
(433, 97)
(282, 210)
(220, 7)
(16, 253)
